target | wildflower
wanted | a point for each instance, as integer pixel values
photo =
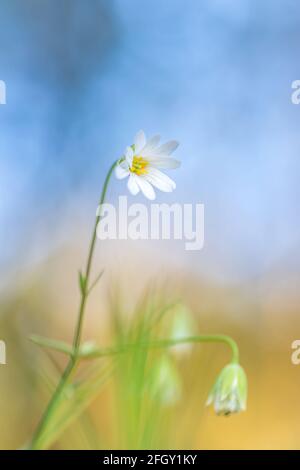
(142, 163)
(229, 394)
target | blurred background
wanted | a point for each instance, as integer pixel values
(82, 78)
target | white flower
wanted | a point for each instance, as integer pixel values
(142, 163)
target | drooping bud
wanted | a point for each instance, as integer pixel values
(229, 393)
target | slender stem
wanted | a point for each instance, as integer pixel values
(73, 361)
(78, 331)
(35, 442)
(167, 343)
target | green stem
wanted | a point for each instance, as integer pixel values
(78, 331)
(167, 343)
(74, 359)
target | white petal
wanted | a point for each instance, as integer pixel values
(153, 141)
(132, 185)
(160, 180)
(167, 148)
(145, 187)
(121, 172)
(164, 162)
(123, 164)
(151, 144)
(129, 155)
(139, 141)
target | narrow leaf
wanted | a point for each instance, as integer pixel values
(60, 346)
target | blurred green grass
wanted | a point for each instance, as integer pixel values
(120, 410)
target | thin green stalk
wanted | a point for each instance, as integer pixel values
(74, 359)
(167, 343)
(78, 331)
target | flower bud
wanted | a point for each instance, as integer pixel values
(229, 393)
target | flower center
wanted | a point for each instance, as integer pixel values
(139, 165)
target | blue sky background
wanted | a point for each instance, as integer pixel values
(83, 77)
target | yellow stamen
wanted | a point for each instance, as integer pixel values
(139, 165)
